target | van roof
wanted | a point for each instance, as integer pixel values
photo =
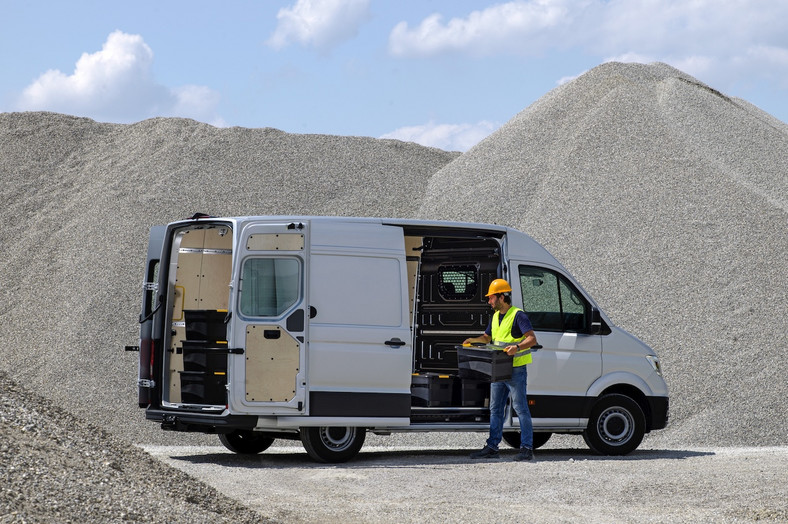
(519, 245)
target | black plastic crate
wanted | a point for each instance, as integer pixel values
(205, 324)
(474, 393)
(481, 363)
(201, 355)
(203, 388)
(431, 390)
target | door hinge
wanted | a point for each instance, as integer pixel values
(132, 348)
(146, 383)
(236, 351)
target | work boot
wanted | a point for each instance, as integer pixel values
(525, 454)
(486, 453)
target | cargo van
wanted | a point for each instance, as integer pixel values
(325, 328)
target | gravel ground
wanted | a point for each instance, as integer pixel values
(428, 484)
(667, 199)
(55, 467)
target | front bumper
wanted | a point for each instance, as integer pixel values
(659, 410)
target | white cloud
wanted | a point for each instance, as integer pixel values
(116, 85)
(719, 42)
(517, 27)
(449, 137)
(322, 24)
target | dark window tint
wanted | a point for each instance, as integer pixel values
(550, 300)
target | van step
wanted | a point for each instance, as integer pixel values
(424, 415)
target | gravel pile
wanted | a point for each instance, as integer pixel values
(669, 202)
(58, 468)
(667, 199)
(78, 200)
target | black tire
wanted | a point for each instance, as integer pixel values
(513, 438)
(616, 425)
(332, 444)
(541, 438)
(245, 442)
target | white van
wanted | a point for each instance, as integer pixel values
(324, 328)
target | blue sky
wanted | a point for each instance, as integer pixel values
(443, 73)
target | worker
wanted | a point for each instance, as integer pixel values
(509, 325)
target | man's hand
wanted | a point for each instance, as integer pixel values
(484, 339)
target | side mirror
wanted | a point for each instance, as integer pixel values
(596, 322)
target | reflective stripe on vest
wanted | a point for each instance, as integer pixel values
(503, 333)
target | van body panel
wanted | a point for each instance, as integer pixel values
(626, 353)
(567, 364)
(359, 340)
(618, 378)
(374, 423)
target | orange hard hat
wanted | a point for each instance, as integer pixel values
(498, 285)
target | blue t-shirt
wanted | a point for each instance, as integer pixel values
(520, 326)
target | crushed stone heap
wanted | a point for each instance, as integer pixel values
(667, 199)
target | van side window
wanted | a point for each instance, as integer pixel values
(457, 282)
(270, 286)
(552, 303)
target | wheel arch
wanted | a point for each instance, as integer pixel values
(623, 383)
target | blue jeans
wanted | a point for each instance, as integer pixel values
(499, 391)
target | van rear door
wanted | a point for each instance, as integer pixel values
(151, 301)
(266, 366)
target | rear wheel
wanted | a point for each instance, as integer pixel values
(616, 426)
(245, 442)
(513, 438)
(332, 444)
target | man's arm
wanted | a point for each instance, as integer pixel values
(528, 341)
(484, 337)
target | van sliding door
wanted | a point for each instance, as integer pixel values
(360, 347)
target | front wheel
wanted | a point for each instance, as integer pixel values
(331, 444)
(616, 426)
(245, 442)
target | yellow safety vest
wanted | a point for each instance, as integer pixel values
(502, 332)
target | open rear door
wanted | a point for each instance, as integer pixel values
(270, 319)
(151, 301)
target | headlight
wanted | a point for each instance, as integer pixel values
(654, 361)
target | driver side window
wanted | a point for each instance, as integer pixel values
(551, 301)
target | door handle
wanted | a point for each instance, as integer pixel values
(394, 342)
